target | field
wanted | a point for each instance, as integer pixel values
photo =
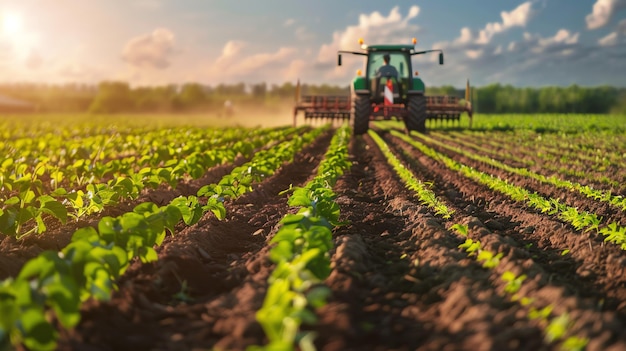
(184, 233)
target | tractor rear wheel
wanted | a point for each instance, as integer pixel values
(416, 114)
(362, 108)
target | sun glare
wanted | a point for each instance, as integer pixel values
(11, 23)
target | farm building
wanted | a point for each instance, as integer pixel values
(9, 105)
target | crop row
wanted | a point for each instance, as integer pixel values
(72, 164)
(566, 124)
(600, 195)
(81, 126)
(23, 212)
(556, 327)
(589, 144)
(55, 284)
(301, 254)
(598, 151)
(532, 158)
(426, 196)
(599, 161)
(612, 232)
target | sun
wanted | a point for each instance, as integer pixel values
(11, 23)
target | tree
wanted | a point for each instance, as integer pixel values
(192, 95)
(112, 97)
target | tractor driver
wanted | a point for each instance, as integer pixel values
(386, 70)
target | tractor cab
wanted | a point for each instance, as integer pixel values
(380, 76)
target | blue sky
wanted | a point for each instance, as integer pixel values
(148, 42)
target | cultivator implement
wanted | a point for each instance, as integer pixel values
(447, 108)
(323, 108)
(338, 108)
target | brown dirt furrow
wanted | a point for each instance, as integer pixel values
(209, 281)
(542, 165)
(399, 280)
(572, 198)
(592, 272)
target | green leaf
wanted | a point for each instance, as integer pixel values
(64, 297)
(13, 200)
(8, 221)
(286, 234)
(109, 228)
(557, 328)
(148, 254)
(283, 251)
(575, 343)
(56, 209)
(216, 206)
(146, 208)
(172, 216)
(292, 218)
(189, 208)
(28, 196)
(461, 229)
(45, 265)
(508, 276)
(85, 234)
(300, 197)
(9, 309)
(38, 332)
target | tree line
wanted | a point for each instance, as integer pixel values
(497, 98)
(117, 97)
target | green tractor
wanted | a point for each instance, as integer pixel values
(389, 89)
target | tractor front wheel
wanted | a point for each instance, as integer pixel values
(362, 108)
(416, 114)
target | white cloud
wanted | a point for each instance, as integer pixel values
(234, 63)
(610, 39)
(563, 36)
(562, 40)
(474, 54)
(465, 37)
(468, 39)
(518, 17)
(602, 12)
(152, 50)
(613, 38)
(374, 29)
(289, 22)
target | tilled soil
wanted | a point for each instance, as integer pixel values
(610, 178)
(399, 280)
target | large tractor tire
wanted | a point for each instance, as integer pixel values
(416, 114)
(362, 108)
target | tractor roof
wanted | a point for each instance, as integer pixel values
(390, 47)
